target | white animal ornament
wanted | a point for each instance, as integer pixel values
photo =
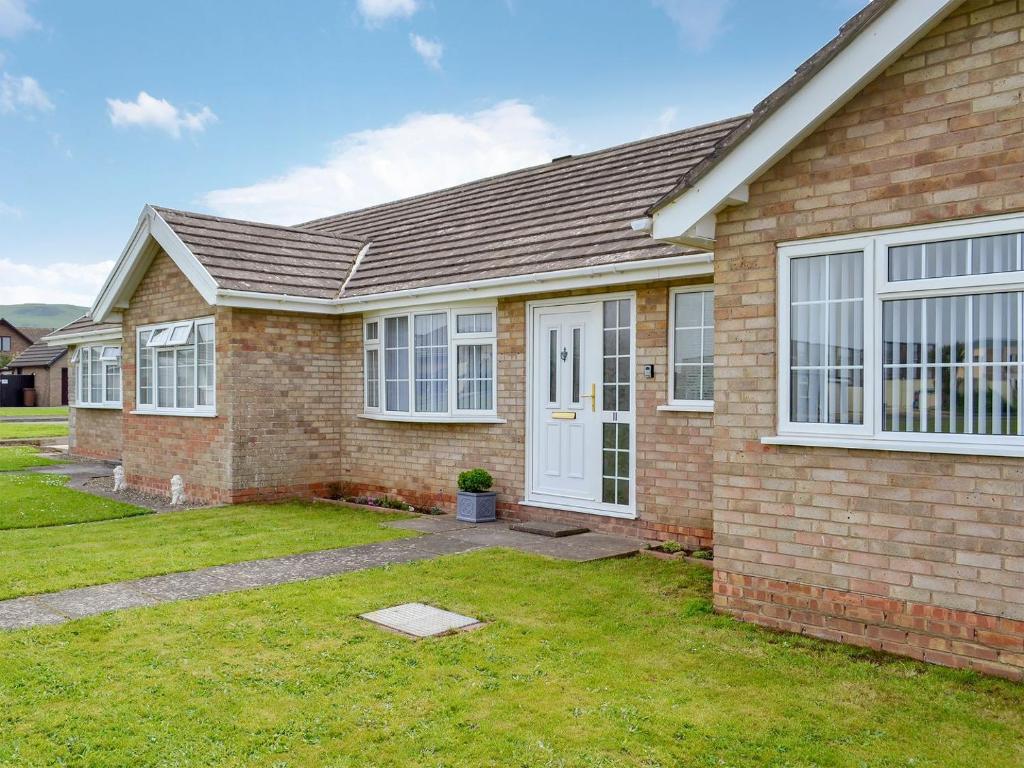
(177, 491)
(118, 479)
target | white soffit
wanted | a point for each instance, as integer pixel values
(684, 219)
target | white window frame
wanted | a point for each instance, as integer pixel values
(455, 340)
(162, 345)
(877, 289)
(700, 406)
(109, 357)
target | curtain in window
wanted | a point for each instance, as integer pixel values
(827, 339)
(951, 364)
(475, 375)
(431, 362)
(396, 363)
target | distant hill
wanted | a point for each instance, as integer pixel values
(41, 315)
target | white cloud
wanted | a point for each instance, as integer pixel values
(421, 153)
(15, 18)
(22, 94)
(377, 11)
(60, 283)
(429, 50)
(149, 112)
(9, 211)
(666, 120)
(699, 21)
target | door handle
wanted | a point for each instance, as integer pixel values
(593, 397)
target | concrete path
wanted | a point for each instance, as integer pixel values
(443, 535)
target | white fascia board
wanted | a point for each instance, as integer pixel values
(689, 265)
(186, 261)
(863, 59)
(85, 337)
(135, 259)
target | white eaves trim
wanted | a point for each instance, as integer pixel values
(685, 219)
(688, 265)
(84, 337)
(135, 259)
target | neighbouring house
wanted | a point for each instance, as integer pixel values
(14, 340)
(48, 366)
(29, 363)
(793, 335)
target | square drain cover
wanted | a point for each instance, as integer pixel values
(419, 620)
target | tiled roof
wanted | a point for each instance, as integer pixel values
(85, 324)
(35, 333)
(572, 212)
(39, 355)
(245, 256)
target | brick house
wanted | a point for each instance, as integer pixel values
(48, 365)
(14, 340)
(794, 334)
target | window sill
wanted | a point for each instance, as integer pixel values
(888, 444)
(175, 412)
(424, 419)
(687, 408)
(98, 406)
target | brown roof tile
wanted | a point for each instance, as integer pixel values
(85, 324)
(264, 258)
(39, 355)
(569, 213)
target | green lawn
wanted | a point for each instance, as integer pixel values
(616, 663)
(33, 501)
(15, 431)
(50, 559)
(30, 412)
(22, 457)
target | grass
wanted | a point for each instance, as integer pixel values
(35, 501)
(18, 457)
(28, 413)
(17, 431)
(616, 663)
(51, 559)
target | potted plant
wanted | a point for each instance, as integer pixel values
(476, 502)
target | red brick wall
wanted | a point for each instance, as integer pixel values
(914, 553)
(158, 447)
(420, 462)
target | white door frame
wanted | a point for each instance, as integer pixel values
(607, 510)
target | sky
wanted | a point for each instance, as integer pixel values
(287, 111)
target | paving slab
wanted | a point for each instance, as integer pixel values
(420, 620)
(88, 601)
(182, 586)
(22, 612)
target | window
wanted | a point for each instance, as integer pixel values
(410, 357)
(98, 375)
(908, 337)
(176, 368)
(5, 343)
(616, 407)
(692, 348)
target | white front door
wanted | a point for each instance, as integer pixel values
(580, 455)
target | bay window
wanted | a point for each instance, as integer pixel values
(909, 339)
(98, 374)
(176, 368)
(429, 365)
